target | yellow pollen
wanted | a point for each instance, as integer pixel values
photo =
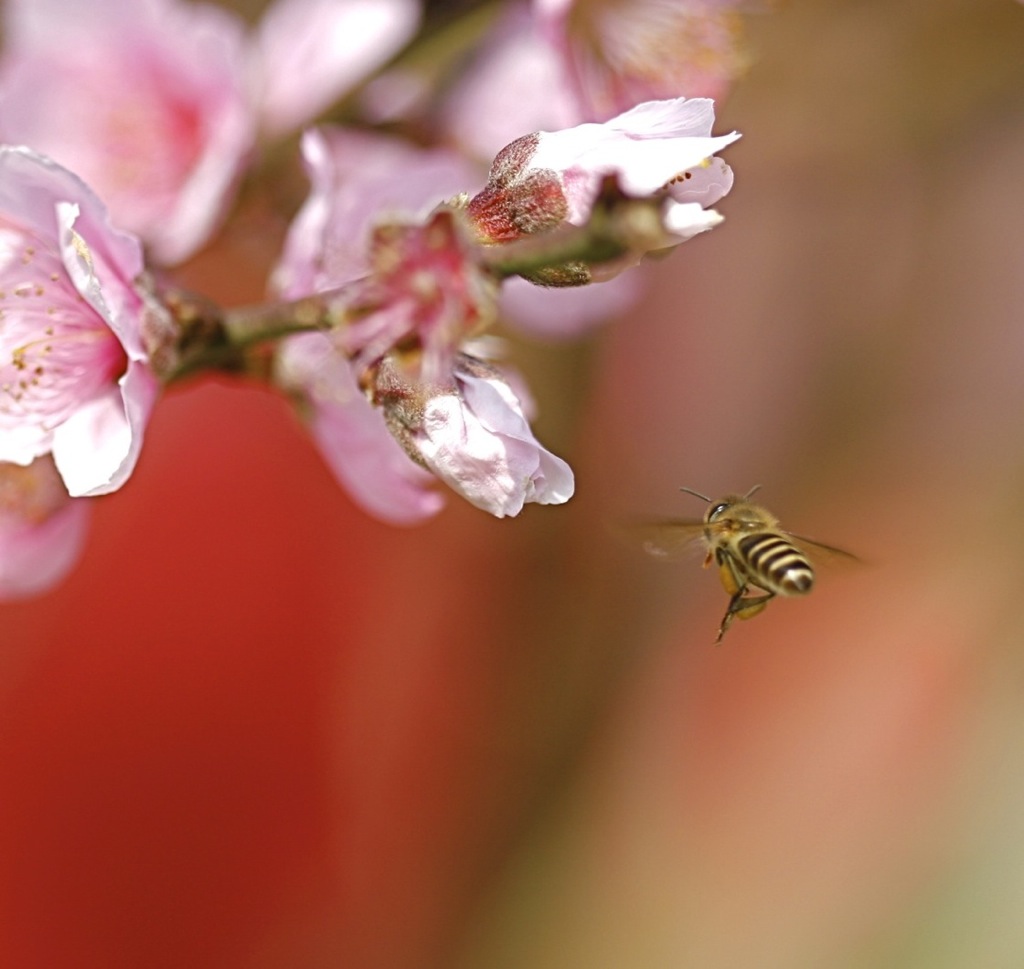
(81, 248)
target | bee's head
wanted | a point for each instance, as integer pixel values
(719, 508)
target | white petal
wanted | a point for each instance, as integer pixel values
(546, 478)
(687, 219)
(482, 447)
(23, 443)
(95, 450)
(644, 165)
(676, 118)
(468, 461)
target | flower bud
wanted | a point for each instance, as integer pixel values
(472, 433)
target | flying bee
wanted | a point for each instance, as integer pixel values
(757, 560)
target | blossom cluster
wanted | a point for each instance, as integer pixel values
(126, 130)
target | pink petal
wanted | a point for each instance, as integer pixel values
(34, 557)
(566, 311)
(353, 437)
(312, 51)
(358, 178)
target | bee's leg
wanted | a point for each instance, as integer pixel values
(726, 620)
(730, 574)
(734, 583)
(742, 606)
(750, 606)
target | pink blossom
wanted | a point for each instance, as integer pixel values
(144, 99)
(74, 378)
(657, 149)
(357, 180)
(42, 528)
(157, 103)
(473, 434)
(413, 295)
(425, 293)
(367, 223)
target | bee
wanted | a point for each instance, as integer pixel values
(757, 560)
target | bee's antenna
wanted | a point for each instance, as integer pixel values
(697, 494)
(752, 491)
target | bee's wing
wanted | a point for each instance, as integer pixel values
(666, 537)
(820, 553)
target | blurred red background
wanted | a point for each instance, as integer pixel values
(257, 729)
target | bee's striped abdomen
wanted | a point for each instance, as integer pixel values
(775, 564)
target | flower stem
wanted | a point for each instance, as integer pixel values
(201, 335)
(248, 326)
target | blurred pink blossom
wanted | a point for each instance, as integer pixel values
(553, 64)
(144, 99)
(657, 149)
(413, 288)
(157, 103)
(567, 311)
(617, 53)
(516, 82)
(74, 377)
(42, 528)
(309, 52)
